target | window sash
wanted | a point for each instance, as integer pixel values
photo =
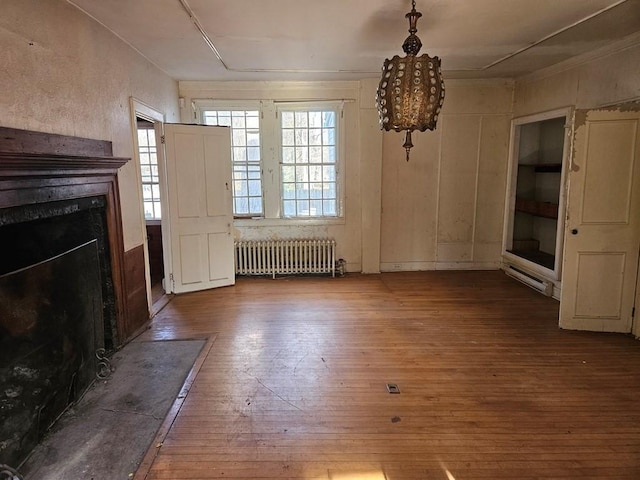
(309, 146)
(329, 185)
(148, 155)
(245, 156)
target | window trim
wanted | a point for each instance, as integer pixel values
(271, 151)
(315, 106)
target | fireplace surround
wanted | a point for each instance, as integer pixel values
(63, 280)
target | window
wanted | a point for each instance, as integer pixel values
(245, 155)
(149, 169)
(286, 157)
(308, 163)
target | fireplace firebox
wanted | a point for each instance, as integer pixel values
(62, 279)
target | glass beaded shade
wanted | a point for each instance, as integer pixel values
(411, 91)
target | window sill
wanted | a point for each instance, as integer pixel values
(286, 222)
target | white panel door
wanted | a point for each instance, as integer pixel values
(200, 212)
(602, 234)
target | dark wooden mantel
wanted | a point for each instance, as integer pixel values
(39, 167)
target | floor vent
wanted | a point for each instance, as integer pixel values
(285, 257)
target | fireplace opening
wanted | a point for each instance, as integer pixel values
(57, 308)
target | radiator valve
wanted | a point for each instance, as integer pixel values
(341, 267)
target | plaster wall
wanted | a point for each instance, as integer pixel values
(601, 79)
(357, 232)
(443, 209)
(64, 73)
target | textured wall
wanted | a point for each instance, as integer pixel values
(613, 78)
(64, 73)
(444, 208)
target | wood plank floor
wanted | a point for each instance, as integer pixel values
(295, 383)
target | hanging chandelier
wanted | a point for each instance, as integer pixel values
(411, 91)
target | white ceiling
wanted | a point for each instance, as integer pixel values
(349, 39)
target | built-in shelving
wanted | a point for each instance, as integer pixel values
(533, 222)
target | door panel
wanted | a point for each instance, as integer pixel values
(200, 216)
(603, 222)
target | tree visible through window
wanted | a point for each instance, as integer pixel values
(245, 155)
(149, 169)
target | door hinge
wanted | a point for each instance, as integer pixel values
(162, 139)
(633, 312)
(173, 282)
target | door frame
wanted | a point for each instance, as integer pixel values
(139, 109)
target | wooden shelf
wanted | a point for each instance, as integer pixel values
(541, 258)
(538, 209)
(548, 168)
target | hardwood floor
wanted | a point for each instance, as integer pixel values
(294, 385)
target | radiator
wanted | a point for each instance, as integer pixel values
(285, 257)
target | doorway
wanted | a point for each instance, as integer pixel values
(146, 139)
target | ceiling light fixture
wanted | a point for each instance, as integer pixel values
(411, 91)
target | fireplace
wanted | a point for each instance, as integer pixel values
(62, 277)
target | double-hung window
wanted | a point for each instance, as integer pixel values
(296, 143)
(308, 162)
(148, 154)
(245, 157)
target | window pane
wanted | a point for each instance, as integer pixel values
(288, 155)
(329, 136)
(254, 188)
(315, 119)
(238, 138)
(146, 192)
(329, 208)
(288, 137)
(315, 208)
(302, 137)
(288, 174)
(329, 154)
(240, 188)
(253, 120)
(303, 208)
(329, 173)
(148, 209)
(315, 191)
(328, 119)
(253, 138)
(255, 205)
(146, 173)
(302, 174)
(289, 207)
(289, 190)
(241, 206)
(287, 119)
(301, 119)
(315, 136)
(315, 174)
(302, 155)
(237, 121)
(239, 154)
(315, 155)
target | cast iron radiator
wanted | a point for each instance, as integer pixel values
(285, 257)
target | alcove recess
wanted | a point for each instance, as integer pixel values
(44, 177)
(534, 221)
